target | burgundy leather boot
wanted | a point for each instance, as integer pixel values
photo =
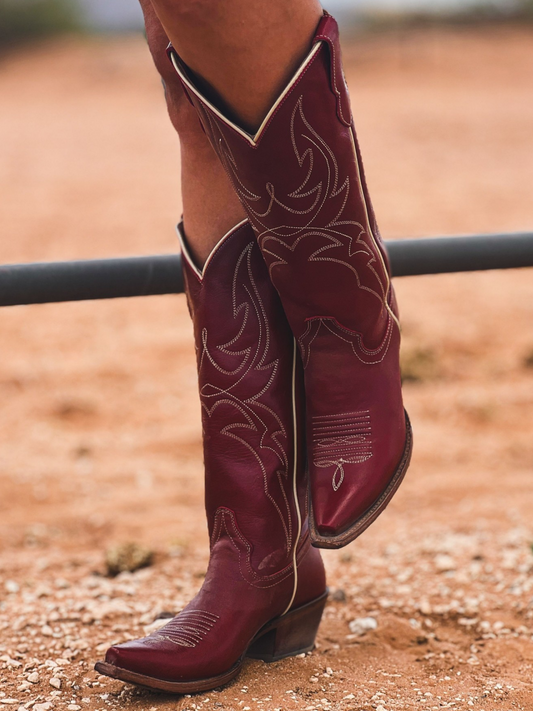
(301, 180)
(265, 589)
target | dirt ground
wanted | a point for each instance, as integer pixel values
(99, 425)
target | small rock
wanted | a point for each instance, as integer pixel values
(166, 615)
(73, 707)
(445, 563)
(43, 707)
(363, 625)
(55, 682)
(338, 595)
(13, 663)
(425, 608)
(11, 586)
(467, 622)
(33, 678)
(47, 631)
(155, 625)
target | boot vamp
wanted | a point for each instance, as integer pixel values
(214, 631)
(197, 644)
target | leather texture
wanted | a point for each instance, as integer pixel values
(250, 388)
(302, 183)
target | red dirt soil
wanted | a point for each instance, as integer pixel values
(100, 431)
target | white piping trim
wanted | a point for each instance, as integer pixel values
(295, 479)
(253, 140)
(370, 231)
(185, 250)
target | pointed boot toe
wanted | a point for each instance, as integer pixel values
(125, 661)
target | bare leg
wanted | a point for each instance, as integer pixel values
(210, 206)
(243, 51)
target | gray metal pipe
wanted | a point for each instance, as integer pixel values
(440, 255)
(44, 282)
(47, 282)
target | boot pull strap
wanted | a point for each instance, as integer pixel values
(328, 31)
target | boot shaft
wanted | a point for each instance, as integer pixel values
(251, 392)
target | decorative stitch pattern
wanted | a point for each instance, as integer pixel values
(187, 629)
(343, 238)
(366, 355)
(254, 415)
(339, 440)
(322, 191)
(225, 523)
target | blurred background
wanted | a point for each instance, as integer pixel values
(19, 18)
(100, 437)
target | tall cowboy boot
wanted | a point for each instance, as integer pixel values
(264, 591)
(301, 181)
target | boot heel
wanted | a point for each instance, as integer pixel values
(292, 634)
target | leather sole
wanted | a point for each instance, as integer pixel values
(286, 636)
(318, 540)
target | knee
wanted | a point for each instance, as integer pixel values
(176, 16)
(187, 12)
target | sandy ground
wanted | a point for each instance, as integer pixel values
(99, 425)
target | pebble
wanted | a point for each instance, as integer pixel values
(445, 563)
(55, 682)
(34, 678)
(363, 625)
(425, 608)
(156, 625)
(73, 707)
(43, 707)
(467, 622)
(338, 595)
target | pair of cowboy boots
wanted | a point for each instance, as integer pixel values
(297, 335)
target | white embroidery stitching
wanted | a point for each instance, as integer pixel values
(253, 411)
(341, 243)
(188, 628)
(339, 440)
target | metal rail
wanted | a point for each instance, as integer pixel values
(44, 282)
